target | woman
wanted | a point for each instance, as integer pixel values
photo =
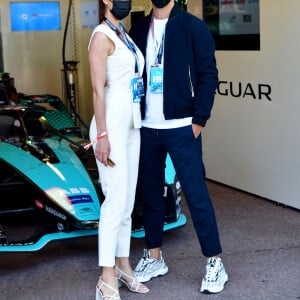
(116, 65)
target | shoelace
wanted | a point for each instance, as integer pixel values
(146, 262)
(142, 265)
(213, 270)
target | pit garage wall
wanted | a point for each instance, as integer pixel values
(252, 142)
(34, 58)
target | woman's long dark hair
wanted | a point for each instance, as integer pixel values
(102, 9)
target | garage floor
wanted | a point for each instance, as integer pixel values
(261, 253)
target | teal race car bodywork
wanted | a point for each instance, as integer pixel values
(49, 188)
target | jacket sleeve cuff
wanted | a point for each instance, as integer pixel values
(199, 120)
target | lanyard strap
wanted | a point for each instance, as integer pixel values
(161, 46)
(124, 38)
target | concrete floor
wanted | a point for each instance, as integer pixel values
(261, 253)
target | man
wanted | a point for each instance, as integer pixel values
(180, 80)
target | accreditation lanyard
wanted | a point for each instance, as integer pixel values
(159, 54)
(126, 41)
(137, 82)
(156, 70)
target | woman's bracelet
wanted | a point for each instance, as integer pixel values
(101, 135)
(98, 137)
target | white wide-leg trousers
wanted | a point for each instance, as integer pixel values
(119, 187)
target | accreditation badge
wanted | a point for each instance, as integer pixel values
(137, 89)
(156, 79)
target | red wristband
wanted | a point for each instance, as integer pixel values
(98, 137)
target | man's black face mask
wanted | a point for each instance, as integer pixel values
(160, 3)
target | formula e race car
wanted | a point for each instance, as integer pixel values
(49, 187)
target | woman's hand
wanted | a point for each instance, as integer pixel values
(102, 150)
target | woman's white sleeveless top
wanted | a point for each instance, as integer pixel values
(120, 70)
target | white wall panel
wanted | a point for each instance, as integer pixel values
(253, 144)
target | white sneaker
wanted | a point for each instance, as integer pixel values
(149, 268)
(215, 277)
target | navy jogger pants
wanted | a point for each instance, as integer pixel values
(186, 154)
